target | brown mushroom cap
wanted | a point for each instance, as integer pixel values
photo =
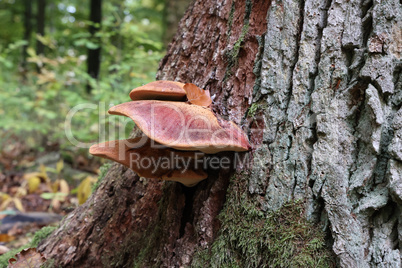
(153, 161)
(183, 126)
(159, 90)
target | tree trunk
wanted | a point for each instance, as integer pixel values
(93, 60)
(27, 31)
(40, 24)
(317, 85)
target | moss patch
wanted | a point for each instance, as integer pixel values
(256, 107)
(232, 55)
(103, 170)
(251, 238)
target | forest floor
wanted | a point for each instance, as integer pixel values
(39, 188)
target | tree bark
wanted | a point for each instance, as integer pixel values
(317, 85)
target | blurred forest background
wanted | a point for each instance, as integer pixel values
(55, 55)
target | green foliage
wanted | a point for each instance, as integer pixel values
(38, 237)
(251, 238)
(35, 99)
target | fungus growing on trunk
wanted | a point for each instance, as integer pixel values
(174, 129)
(153, 160)
(159, 90)
(184, 126)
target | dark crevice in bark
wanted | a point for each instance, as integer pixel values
(188, 215)
(383, 216)
(297, 52)
(294, 180)
(357, 96)
(387, 134)
(349, 54)
(396, 99)
(394, 234)
(365, 7)
(230, 20)
(311, 142)
(323, 23)
(367, 20)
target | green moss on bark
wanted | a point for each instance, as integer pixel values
(103, 171)
(250, 237)
(232, 55)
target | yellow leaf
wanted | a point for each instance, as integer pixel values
(21, 191)
(33, 184)
(43, 172)
(3, 197)
(84, 190)
(55, 203)
(59, 166)
(55, 186)
(46, 40)
(18, 204)
(5, 203)
(32, 174)
(64, 187)
(31, 52)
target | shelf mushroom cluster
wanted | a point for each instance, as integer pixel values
(179, 130)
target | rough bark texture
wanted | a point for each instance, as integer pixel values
(318, 86)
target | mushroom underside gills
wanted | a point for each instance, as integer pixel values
(152, 160)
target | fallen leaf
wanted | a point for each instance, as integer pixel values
(84, 190)
(33, 184)
(6, 238)
(64, 188)
(3, 249)
(27, 258)
(18, 204)
(59, 166)
(197, 96)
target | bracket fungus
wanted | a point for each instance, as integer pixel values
(176, 129)
(153, 161)
(159, 90)
(183, 126)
